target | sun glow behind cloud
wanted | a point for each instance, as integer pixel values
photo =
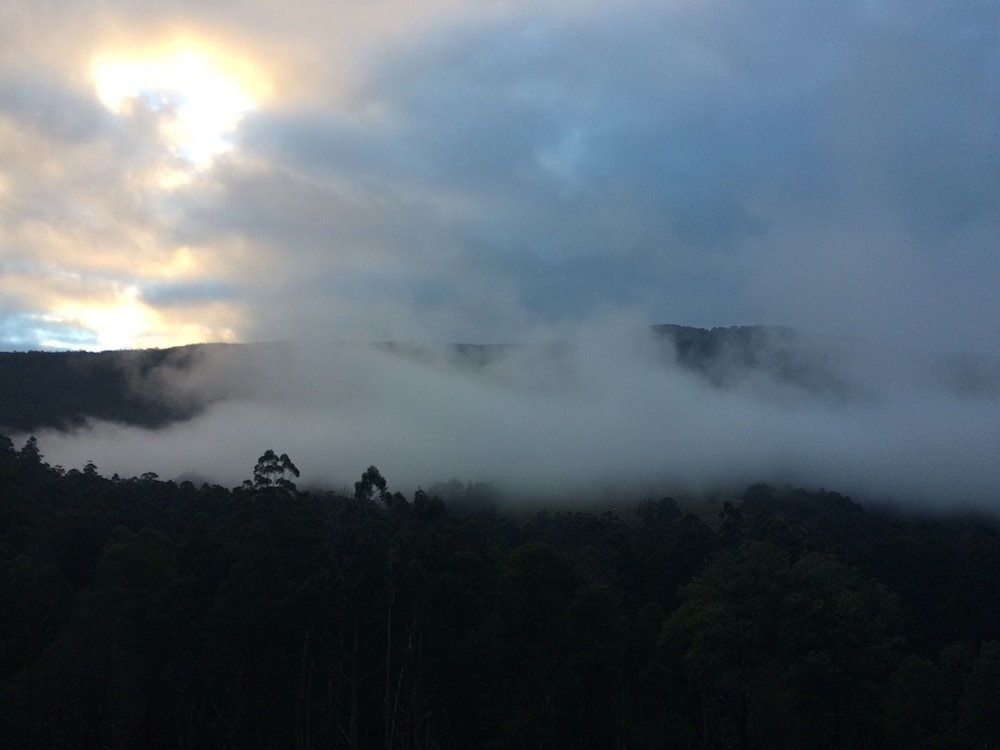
(179, 100)
(199, 96)
(124, 321)
(117, 324)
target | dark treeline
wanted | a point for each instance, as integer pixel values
(146, 613)
(65, 389)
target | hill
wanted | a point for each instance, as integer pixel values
(153, 388)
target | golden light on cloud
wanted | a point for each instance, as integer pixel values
(126, 322)
(198, 93)
(116, 324)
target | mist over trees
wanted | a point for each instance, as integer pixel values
(154, 388)
(312, 598)
(147, 612)
(644, 410)
(144, 388)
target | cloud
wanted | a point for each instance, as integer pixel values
(513, 171)
(455, 171)
(607, 415)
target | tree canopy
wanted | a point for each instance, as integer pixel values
(145, 612)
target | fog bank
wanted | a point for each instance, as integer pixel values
(611, 410)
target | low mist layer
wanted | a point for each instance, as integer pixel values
(609, 413)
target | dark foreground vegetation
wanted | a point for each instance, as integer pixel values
(146, 613)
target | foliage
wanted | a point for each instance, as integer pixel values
(272, 473)
(146, 613)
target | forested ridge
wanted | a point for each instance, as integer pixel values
(63, 390)
(139, 387)
(147, 613)
(146, 387)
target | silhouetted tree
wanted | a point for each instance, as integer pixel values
(371, 480)
(273, 471)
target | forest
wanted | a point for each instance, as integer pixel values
(140, 612)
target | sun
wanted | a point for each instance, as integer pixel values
(115, 324)
(197, 95)
(125, 321)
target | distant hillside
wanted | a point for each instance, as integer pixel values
(724, 356)
(64, 390)
(156, 387)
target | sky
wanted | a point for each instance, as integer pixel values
(184, 172)
(509, 171)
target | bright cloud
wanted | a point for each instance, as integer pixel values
(199, 103)
(448, 170)
(116, 326)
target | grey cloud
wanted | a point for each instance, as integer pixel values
(647, 153)
(167, 295)
(831, 167)
(49, 107)
(662, 151)
(605, 414)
